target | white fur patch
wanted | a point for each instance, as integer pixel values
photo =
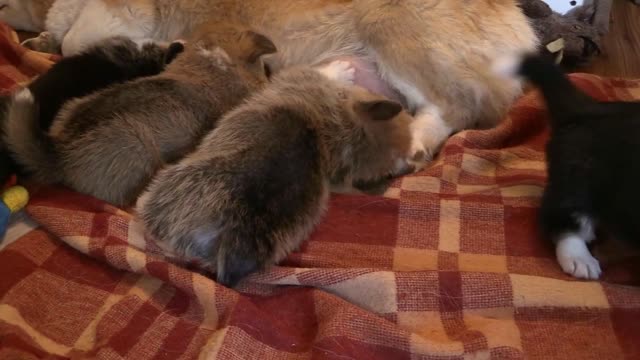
(217, 55)
(414, 97)
(14, 125)
(507, 66)
(24, 95)
(428, 131)
(575, 259)
(99, 20)
(142, 42)
(339, 70)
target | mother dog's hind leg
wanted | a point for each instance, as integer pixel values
(101, 19)
(438, 53)
(429, 132)
(429, 129)
(408, 61)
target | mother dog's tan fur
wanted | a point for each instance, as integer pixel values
(27, 15)
(436, 53)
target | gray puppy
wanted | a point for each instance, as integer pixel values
(258, 184)
(111, 143)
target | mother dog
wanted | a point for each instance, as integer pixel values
(434, 55)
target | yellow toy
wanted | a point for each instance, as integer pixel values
(14, 199)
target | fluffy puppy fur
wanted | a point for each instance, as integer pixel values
(109, 144)
(111, 61)
(436, 54)
(592, 167)
(258, 184)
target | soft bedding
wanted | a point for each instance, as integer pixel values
(447, 265)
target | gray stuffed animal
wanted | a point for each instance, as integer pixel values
(574, 38)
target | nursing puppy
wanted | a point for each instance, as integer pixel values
(109, 144)
(434, 56)
(112, 61)
(593, 170)
(258, 184)
(108, 62)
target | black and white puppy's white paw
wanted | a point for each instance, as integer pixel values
(575, 258)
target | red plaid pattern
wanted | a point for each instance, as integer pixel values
(447, 265)
(17, 64)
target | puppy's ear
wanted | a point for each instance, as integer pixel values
(175, 48)
(257, 45)
(377, 110)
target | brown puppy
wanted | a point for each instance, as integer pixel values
(111, 143)
(258, 184)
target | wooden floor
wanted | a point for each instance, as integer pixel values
(620, 49)
(621, 46)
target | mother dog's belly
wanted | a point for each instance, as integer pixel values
(366, 76)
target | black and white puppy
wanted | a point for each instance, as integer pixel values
(593, 169)
(111, 61)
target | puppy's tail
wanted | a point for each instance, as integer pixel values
(30, 147)
(560, 95)
(239, 254)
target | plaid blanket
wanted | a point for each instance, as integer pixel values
(18, 65)
(446, 265)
